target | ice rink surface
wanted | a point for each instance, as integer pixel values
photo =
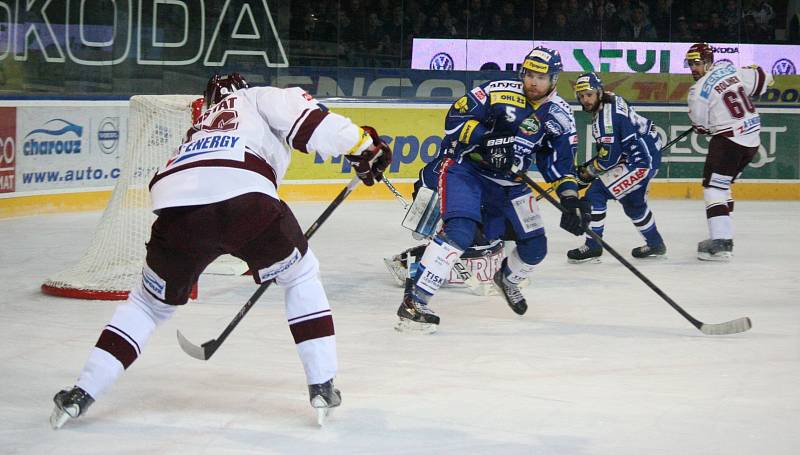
(599, 364)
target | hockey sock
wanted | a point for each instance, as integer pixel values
(597, 225)
(434, 267)
(718, 203)
(122, 340)
(516, 269)
(310, 319)
(646, 224)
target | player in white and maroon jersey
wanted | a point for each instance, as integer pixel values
(720, 105)
(217, 195)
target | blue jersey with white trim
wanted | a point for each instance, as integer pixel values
(621, 134)
(495, 107)
(555, 152)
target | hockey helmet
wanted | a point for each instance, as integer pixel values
(589, 81)
(699, 52)
(542, 60)
(221, 86)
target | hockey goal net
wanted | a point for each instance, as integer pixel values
(113, 262)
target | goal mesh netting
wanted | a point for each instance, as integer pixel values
(113, 262)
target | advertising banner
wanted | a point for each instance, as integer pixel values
(8, 149)
(620, 57)
(69, 147)
(415, 135)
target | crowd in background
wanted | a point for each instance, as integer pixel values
(380, 32)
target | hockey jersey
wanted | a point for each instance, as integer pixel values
(500, 107)
(720, 102)
(243, 144)
(620, 132)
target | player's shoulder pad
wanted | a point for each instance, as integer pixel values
(620, 105)
(559, 118)
(503, 85)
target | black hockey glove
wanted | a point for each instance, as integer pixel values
(578, 215)
(497, 151)
(371, 163)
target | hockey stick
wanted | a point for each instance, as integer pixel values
(207, 349)
(725, 328)
(675, 141)
(469, 279)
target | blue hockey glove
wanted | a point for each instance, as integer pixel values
(578, 215)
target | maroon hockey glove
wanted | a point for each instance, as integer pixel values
(371, 163)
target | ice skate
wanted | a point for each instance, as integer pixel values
(584, 253)
(511, 292)
(415, 316)
(715, 250)
(647, 251)
(324, 397)
(70, 404)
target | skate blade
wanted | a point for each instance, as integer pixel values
(652, 257)
(58, 418)
(724, 256)
(408, 326)
(398, 272)
(323, 411)
(584, 261)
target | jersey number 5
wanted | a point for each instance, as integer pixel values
(734, 101)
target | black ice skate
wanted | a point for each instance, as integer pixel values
(715, 250)
(647, 251)
(324, 397)
(584, 253)
(511, 292)
(70, 404)
(415, 315)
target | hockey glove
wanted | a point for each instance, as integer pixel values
(371, 163)
(497, 152)
(578, 215)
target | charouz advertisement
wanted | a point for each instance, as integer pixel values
(69, 147)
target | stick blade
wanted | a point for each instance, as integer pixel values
(727, 328)
(198, 352)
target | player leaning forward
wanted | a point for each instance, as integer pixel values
(479, 189)
(719, 105)
(217, 195)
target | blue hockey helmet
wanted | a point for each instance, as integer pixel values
(588, 81)
(543, 60)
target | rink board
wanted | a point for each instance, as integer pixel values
(32, 183)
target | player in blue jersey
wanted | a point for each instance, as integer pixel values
(627, 159)
(497, 129)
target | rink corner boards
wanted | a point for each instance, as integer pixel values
(26, 204)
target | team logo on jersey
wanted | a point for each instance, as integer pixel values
(461, 105)
(529, 126)
(784, 66)
(603, 152)
(442, 61)
(479, 94)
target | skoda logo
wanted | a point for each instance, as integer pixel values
(784, 66)
(108, 134)
(442, 61)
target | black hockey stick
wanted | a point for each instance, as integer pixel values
(207, 349)
(725, 328)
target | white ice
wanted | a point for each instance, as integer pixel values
(599, 364)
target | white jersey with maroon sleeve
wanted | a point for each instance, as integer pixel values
(243, 144)
(720, 102)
